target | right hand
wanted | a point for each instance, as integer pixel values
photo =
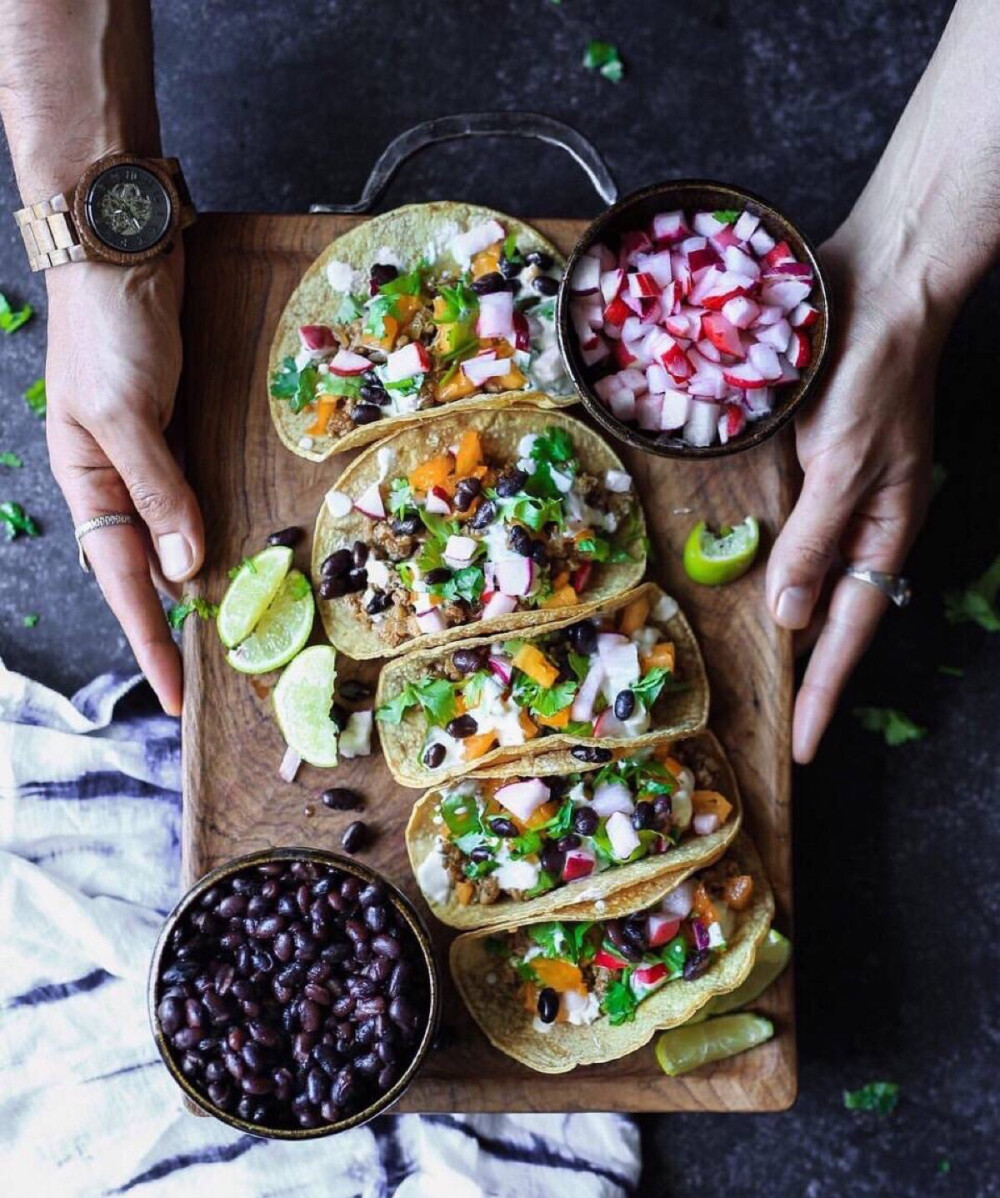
(114, 358)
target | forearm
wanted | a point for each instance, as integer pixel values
(930, 214)
(76, 82)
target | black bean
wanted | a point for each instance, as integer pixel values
(539, 258)
(289, 537)
(634, 931)
(545, 284)
(355, 837)
(357, 580)
(510, 482)
(582, 636)
(337, 564)
(539, 554)
(340, 715)
(662, 807)
(332, 588)
(591, 754)
(371, 389)
(465, 492)
(437, 576)
(697, 963)
(180, 971)
(467, 661)
(642, 816)
(254, 1056)
(380, 274)
(354, 690)
(488, 284)
(483, 516)
(406, 526)
(379, 602)
(434, 755)
(365, 413)
(502, 826)
(187, 1037)
(269, 927)
(510, 268)
(480, 853)
(171, 1015)
(567, 842)
(548, 1005)
(359, 554)
(284, 947)
(585, 821)
(403, 1013)
(550, 858)
(376, 916)
(344, 1086)
(519, 539)
(462, 726)
(369, 1064)
(386, 946)
(624, 704)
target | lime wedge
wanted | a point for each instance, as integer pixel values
(772, 957)
(250, 593)
(690, 1046)
(302, 702)
(714, 560)
(280, 632)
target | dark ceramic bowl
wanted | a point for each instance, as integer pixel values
(405, 911)
(634, 212)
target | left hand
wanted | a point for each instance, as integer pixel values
(865, 447)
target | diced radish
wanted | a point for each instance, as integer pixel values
(778, 254)
(632, 302)
(611, 283)
(345, 363)
(369, 503)
(800, 350)
(768, 315)
(460, 549)
(677, 326)
(317, 337)
(681, 272)
(758, 403)
(724, 239)
(643, 285)
(597, 353)
(776, 335)
(579, 318)
(607, 960)
(496, 316)
(583, 703)
(604, 256)
(622, 404)
(586, 277)
(484, 366)
(407, 362)
(740, 263)
(522, 334)
(679, 901)
(705, 258)
(423, 602)
(707, 350)
(657, 379)
(618, 482)
(790, 270)
(437, 502)
(723, 335)
(789, 374)
(785, 294)
(706, 224)
(473, 241)
(658, 265)
(764, 359)
(743, 376)
(578, 863)
(631, 379)
(610, 797)
(648, 410)
(740, 311)
(624, 355)
(650, 975)
(722, 289)
(677, 363)
(669, 299)
(622, 837)
(289, 766)
(617, 311)
(431, 621)
(669, 227)
(674, 411)
(580, 577)
(608, 724)
(633, 244)
(732, 421)
(708, 386)
(705, 824)
(702, 423)
(498, 605)
(338, 503)
(746, 226)
(635, 329)
(514, 575)
(661, 929)
(605, 387)
(803, 316)
(522, 799)
(761, 241)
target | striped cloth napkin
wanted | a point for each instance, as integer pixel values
(89, 866)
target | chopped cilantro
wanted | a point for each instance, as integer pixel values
(10, 459)
(546, 881)
(400, 496)
(543, 700)
(641, 775)
(408, 386)
(567, 940)
(180, 611)
(895, 726)
(977, 604)
(376, 311)
(30, 620)
(479, 869)
(726, 215)
(619, 1003)
(11, 319)
(16, 521)
(579, 663)
(349, 309)
(648, 689)
(297, 386)
(525, 509)
(298, 586)
(436, 697)
(459, 304)
(510, 250)
(604, 57)
(880, 1097)
(337, 384)
(406, 284)
(35, 397)
(467, 584)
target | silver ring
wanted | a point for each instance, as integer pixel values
(895, 587)
(110, 520)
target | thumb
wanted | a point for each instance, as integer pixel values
(808, 544)
(138, 451)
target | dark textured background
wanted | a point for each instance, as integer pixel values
(272, 106)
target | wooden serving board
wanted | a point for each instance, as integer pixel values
(240, 272)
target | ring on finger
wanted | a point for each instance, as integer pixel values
(108, 520)
(895, 587)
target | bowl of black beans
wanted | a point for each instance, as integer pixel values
(293, 993)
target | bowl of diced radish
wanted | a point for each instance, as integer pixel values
(694, 319)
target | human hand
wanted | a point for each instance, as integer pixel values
(864, 445)
(114, 357)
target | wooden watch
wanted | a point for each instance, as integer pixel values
(124, 210)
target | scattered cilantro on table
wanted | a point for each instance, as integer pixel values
(36, 398)
(11, 319)
(977, 604)
(10, 459)
(17, 521)
(944, 1165)
(880, 1097)
(896, 726)
(30, 620)
(187, 605)
(951, 671)
(604, 58)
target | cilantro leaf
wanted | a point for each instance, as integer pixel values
(467, 584)
(405, 284)
(11, 319)
(408, 386)
(30, 620)
(525, 509)
(337, 384)
(619, 1003)
(298, 586)
(10, 459)
(543, 700)
(579, 663)
(400, 496)
(569, 940)
(479, 869)
(35, 397)
(179, 612)
(510, 250)
(595, 547)
(553, 445)
(528, 844)
(560, 823)
(647, 690)
(604, 57)
(895, 726)
(726, 215)
(376, 311)
(435, 696)
(629, 542)
(459, 304)
(349, 309)
(17, 521)
(546, 881)
(977, 604)
(880, 1097)
(297, 386)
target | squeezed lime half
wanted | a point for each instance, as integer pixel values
(281, 631)
(251, 592)
(302, 701)
(692, 1045)
(772, 957)
(714, 559)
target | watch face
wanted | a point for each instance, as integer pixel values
(128, 208)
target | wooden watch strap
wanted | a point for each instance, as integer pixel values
(49, 234)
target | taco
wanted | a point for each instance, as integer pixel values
(428, 306)
(488, 851)
(477, 524)
(626, 676)
(564, 993)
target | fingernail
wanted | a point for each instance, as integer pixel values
(175, 555)
(793, 607)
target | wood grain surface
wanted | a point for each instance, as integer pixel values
(240, 271)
